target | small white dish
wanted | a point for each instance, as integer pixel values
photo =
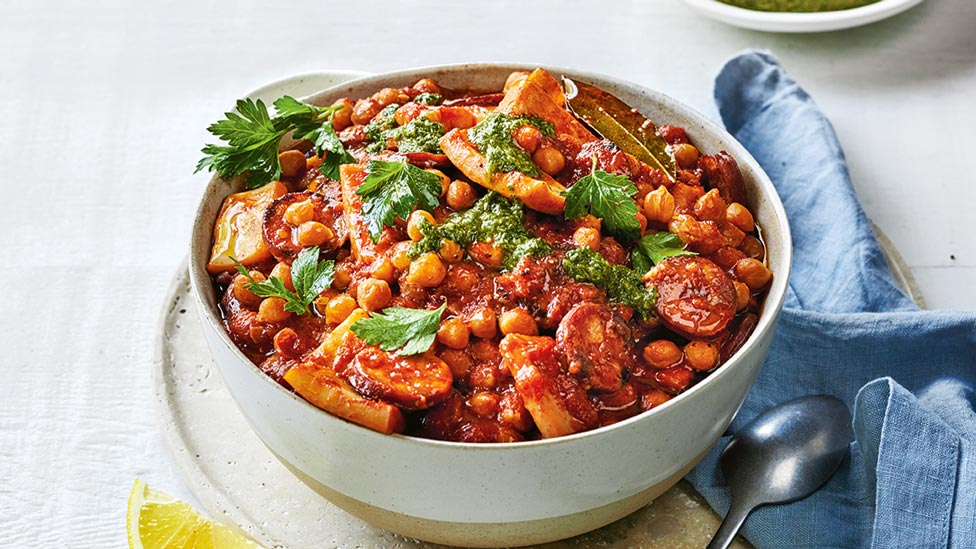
(772, 21)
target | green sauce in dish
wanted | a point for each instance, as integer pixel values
(493, 137)
(622, 285)
(798, 5)
(493, 218)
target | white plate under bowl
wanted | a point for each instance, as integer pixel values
(774, 21)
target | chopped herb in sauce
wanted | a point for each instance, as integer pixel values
(429, 99)
(622, 285)
(493, 218)
(419, 135)
(382, 122)
(493, 137)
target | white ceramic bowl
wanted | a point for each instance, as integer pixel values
(772, 21)
(501, 494)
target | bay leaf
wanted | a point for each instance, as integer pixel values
(614, 120)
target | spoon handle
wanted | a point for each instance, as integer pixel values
(730, 526)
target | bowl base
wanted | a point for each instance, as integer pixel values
(506, 534)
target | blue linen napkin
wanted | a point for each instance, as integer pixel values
(847, 330)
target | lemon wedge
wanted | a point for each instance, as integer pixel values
(158, 521)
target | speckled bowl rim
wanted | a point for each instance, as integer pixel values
(771, 306)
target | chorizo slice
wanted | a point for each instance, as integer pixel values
(281, 228)
(696, 298)
(411, 382)
(597, 345)
(723, 174)
(324, 388)
(555, 400)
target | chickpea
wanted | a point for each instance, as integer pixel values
(450, 252)
(313, 233)
(653, 398)
(587, 237)
(389, 96)
(373, 294)
(287, 343)
(701, 355)
(401, 256)
(659, 205)
(710, 207)
(487, 254)
(414, 222)
(685, 155)
(339, 308)
(742, 294)
(462, 278)
(515, 78)
(299, 212)
(365, 110)
(483, 323)
(283, 271)
(445, 180)
(239, 288)
(453, 333)
(272, 309)
(484, 404)
(661, 353)
(752, 247)
(517, 321)
(741, 217)
(549, 160)
(528, 137)
(342, 118)
(460, 195)
(752, 272)
(383, 269)
(292, 163)
(675, 379)
(427, 270)
(342, 278)
(427, 85)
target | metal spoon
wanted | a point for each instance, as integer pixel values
(785, 454)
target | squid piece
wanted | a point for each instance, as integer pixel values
(239, 226)
(324, 388)
(325, 353)
(554, 399)
(543, 195)
(541, 95)
(361, 244)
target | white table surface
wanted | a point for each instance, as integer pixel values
(104, 107)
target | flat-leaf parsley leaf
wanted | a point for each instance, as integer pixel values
(412, 331)
(309, 276)
(252, 138)
(608, 197)
(392, 190)
(655, 248)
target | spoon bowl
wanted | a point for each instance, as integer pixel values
(785, 454)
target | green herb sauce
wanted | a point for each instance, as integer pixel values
(799, 5)
(493, 218)
(493, 137)
(622, 285)
(419, 135)
(382, 122)
(429, 99)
